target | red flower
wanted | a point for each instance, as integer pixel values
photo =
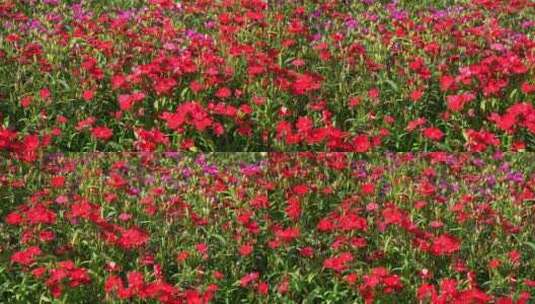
(163, 86)
(191, 113)
(248, 278)
(433, 133)
(351, 278)
(133, 238)
(182, 256)
(85, 210)
(354, 101)
(373, 93)
(223, 93)
(367, 188)
(102, 132)
(361, 143)
(135, 280)
(14, 218)
(283, 286)
(118, 81)
(457, 102)
(44, 94)
(392, 283)
(47, 236)
(494, 263)
(426, 188)
(426, 292)
(26, 257)
(192, 296)
(246, 250)
(305, 83)
(304, 124)
(416, 95)
(413, 124)
(287, 235)
(293, 210)
(306, 251)
(26, 101)
(393, 215)
(195, 86)
(263, 288)
(260, 201)
(446, 82)
(39, 272)
(40, 215)
(352, 221)
(325, 225)
(57, 181)
(478, 141)
(88, 95)
(444, 245)
(202, 248)
(527, 88)
(339, 262)
(514, 256)
(300, 189)
(113, 283)
(127, 101)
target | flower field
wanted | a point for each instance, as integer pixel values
(267, 151)
(257, 75)
(268, 228)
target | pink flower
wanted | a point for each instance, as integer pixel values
(248, 278)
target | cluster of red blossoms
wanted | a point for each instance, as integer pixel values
(138, 288)
(159, 83)
(248, 76)
(206, 228)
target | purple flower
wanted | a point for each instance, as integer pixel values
(515, 177)
(316, 14)
(399, 15)
(316, 37)
(528, 24)
(209, 24)
(491, 181)
(134, 191)
(504, 167)
(478, 162)
(250, 169)
(186, 172)
(351, 23)
(174, 155)
(149, 180)
(210, 169)
(201, 160)
(439, 14)
(34, 24)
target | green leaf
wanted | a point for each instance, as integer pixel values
(530, 244)
(392, 84)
